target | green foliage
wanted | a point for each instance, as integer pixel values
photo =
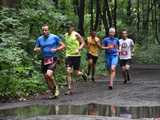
(14, 86)
(18, 29)
(150, 55)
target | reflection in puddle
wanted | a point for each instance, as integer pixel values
(125, 113)
(89, 109)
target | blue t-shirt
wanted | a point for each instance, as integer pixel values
(111, 41)
(47, 43)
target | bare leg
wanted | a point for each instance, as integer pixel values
(79, 73)
(93, 71)
(127, 72)
(51, 78)
(52, 83)
(112, 76)
(89, 66)
(124, 74)
(69, 80)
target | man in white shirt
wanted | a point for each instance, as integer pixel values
(126, 46)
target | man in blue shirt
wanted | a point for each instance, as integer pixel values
(48, 44)
(110, 44)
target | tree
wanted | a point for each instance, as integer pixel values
(81, 16)
(98, 11)
(104, 18)
(91, 13)
(115, 14)
(108, 13)
(138, 15)
(129, 12)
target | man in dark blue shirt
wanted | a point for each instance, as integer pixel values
(48, 44)
(110, 44)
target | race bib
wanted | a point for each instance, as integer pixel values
(47, 61)
(124, 53)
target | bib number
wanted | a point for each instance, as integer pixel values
(47, 61)
(124, 53)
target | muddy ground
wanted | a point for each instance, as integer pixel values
(142, 90)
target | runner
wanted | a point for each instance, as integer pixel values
(126, 46)
(110, 44)
(49, 44)
(74, 44)
(93, 45)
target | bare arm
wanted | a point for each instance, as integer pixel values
(81, 41)
(98, 43)
(37, 49)
(87, 44)
(107, 47)
(59, 48)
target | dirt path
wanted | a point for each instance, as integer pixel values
(142, 90)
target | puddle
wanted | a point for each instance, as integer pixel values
(89, 109)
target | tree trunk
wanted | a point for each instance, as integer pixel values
(115, 14)
(97, 15)
(156, 24)
(147, 22)
(91, 12)
(81, 17)
(104, 18)
(76, 6)
(129, 12)
(138, 16)
(108, 12)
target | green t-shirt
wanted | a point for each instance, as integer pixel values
(72, 44)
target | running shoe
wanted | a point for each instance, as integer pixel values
(110, 87)
(69, 92)
(56, 92)
(125, 82)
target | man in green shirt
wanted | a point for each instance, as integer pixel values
(74, 44)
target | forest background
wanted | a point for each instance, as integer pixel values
(20, 25)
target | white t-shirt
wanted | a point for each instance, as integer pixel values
(126, 48)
